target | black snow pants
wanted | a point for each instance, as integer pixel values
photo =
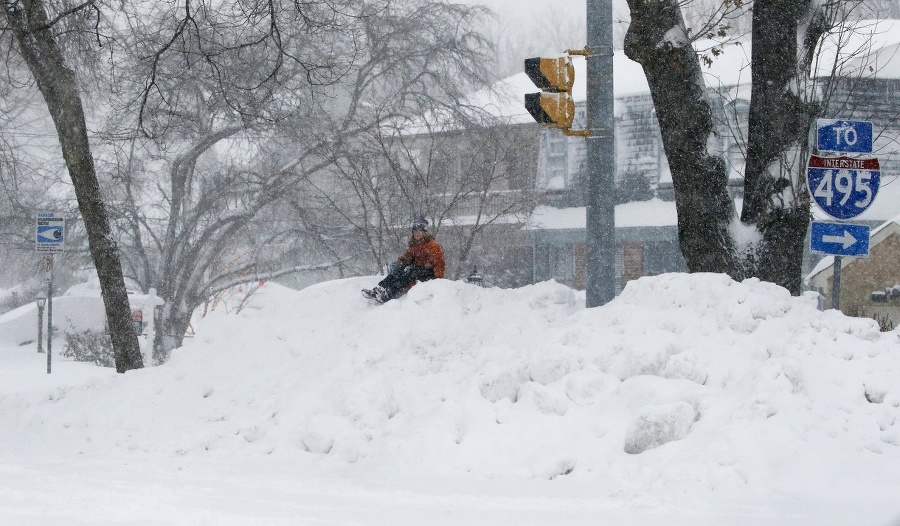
(396, 282)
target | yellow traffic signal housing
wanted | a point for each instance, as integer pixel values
(556, 110)
(551, 74)
(553, 106)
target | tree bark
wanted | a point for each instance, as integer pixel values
(672, 68)
(59, 87)
(775, 199)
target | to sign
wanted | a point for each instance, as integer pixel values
(839, 239)
(841, 186)
(844, 136)
(50, 232)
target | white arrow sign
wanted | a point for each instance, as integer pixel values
(846, 239)
(839, 239)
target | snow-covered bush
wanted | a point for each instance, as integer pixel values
(90, 346)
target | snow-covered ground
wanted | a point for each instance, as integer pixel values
(689, 399)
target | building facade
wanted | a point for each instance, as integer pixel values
(549, 241)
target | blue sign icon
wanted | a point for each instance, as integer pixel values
(49, 234)
(839, 239)
(841, 186)
(844, 136)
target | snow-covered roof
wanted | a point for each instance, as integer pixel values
(866, 48)
(651, 213)
(506, 98)
(654, 212)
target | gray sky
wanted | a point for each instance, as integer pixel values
(528, 27)
(538, 27)
(520, 9)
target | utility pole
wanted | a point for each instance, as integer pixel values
(600, 231)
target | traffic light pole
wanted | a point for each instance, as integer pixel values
(600, 236)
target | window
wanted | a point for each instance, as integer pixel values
(556, 160)
(629, 262)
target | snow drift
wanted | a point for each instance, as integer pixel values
(684, 386)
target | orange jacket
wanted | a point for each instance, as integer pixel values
(428, 254)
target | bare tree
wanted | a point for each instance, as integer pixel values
(464, 177)
(551, 32)
(236, 118)
(37, 43)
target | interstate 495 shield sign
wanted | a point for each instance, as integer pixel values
(843, 187)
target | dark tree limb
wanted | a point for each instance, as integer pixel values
(775, 199)
(673, 72)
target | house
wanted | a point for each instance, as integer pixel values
(549, 243)
(646, 238)
(645, 216)
(867, 87)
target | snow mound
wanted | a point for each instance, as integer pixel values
(689, 381)
(659, 424)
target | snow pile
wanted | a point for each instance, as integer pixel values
(80, 308)
(683, 386)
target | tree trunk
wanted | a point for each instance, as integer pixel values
(775, 198)
(59, 87)
(705, 210)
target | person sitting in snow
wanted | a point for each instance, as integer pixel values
(422, 261)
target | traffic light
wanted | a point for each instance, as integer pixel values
(551, 74)
(555, 110)
(553, 106)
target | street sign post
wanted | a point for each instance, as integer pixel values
(843, 187)
(839, 239)
(49, 239)
(835, 135)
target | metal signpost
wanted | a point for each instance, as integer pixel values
(49, 239)
(152, 302)
(844, 188)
